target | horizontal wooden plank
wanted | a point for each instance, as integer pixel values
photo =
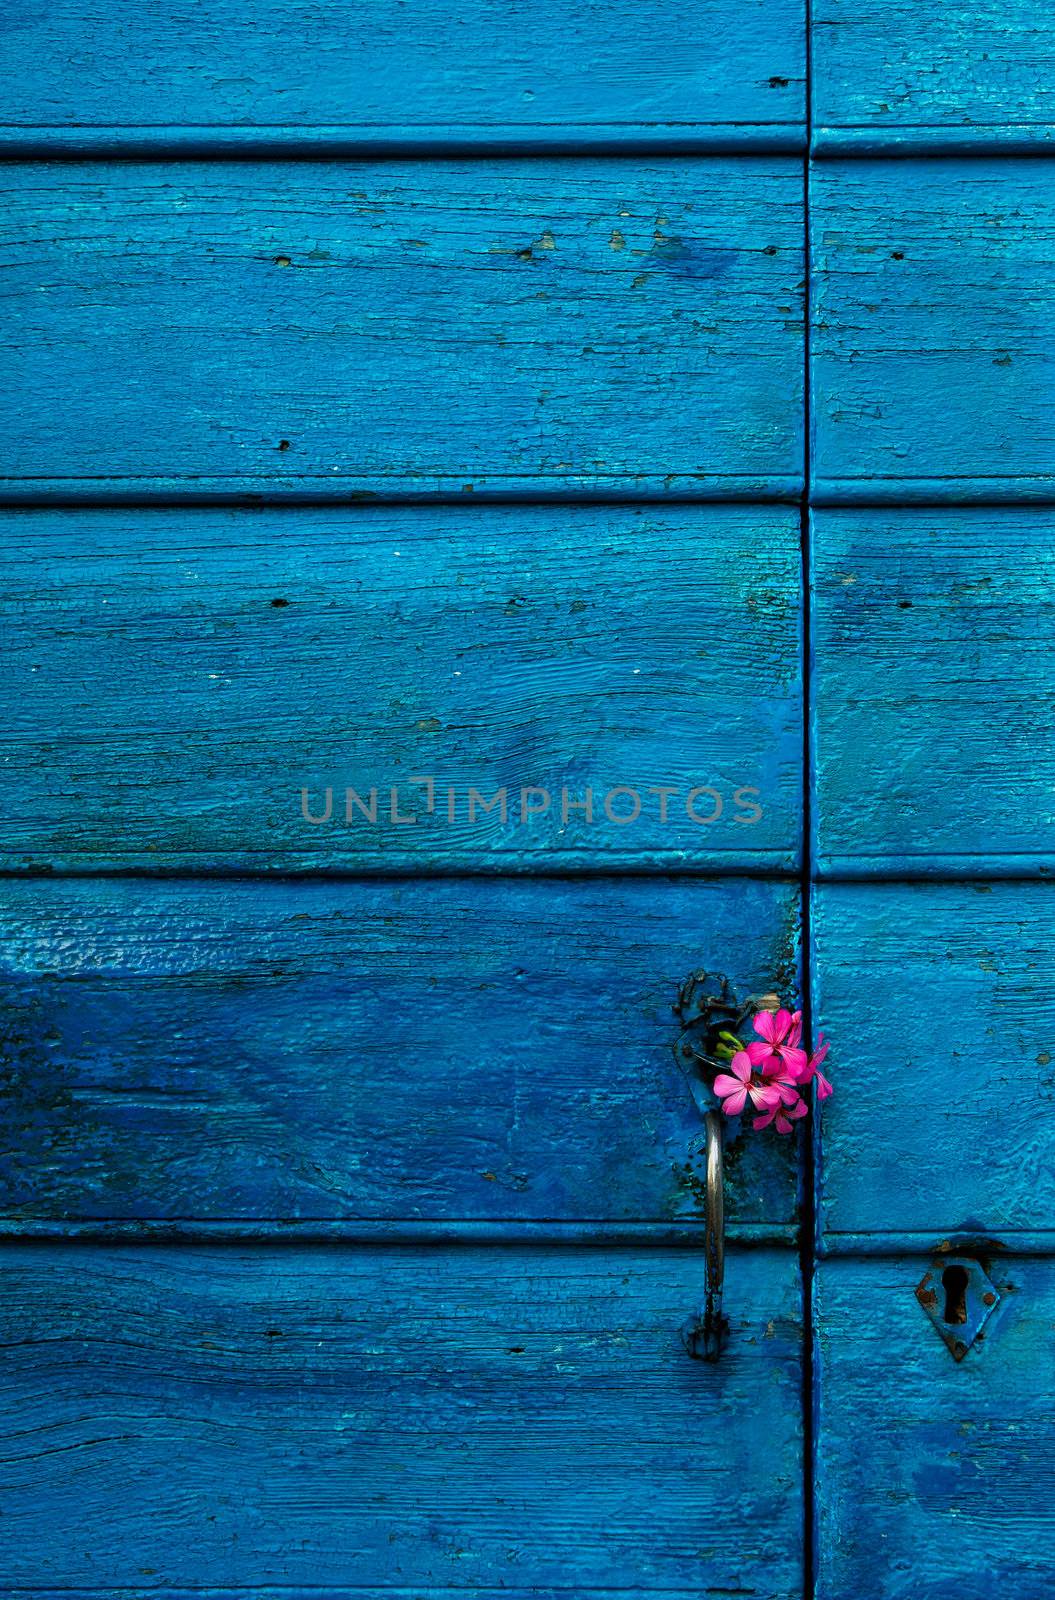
(448, 1049)
(325, 1417)
(677, 1234)
(933, 689)
(931, 356)
(931, 73)
(380, 70)
(148, 1591)
(932, 1476)
(968, 1240)
(940, 1004)
(574, 663)
(397, 326)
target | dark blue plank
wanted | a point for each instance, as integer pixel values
(190, 688)
(340, 327)
(933, 1477)
(454, 1049)
(492, 1419)
(918, 74)
(940, 1004)
(377, 71)
(933, 691)
(932, 363)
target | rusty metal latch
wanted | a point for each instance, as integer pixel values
(705, 1334)
(959, 1297)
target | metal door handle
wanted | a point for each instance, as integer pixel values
(705, 1334)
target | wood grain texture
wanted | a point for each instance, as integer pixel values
(333, 1591)
(174, 681)
(331, 1417)
(377, 70)
(453, 1049)
(940, 1004)
(931, 355)
(932, 73)
(931, 1475)
(933, 690)
(349, 327)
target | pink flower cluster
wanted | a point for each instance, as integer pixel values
(771, 1071)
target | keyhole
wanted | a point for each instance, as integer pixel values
(954, 1281)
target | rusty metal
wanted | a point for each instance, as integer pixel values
(707, 1005)
(959, 1298)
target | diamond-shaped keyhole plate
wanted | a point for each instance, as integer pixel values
(959, 1298)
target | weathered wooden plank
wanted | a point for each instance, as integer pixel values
(940, 1004)
(355, 328)
(933, 689)
(932, 1476)
(932, 359)
(459, 1420)
(146, 1591)
(924, 72)
(189, 688)
(377, 71)
(453, 1049)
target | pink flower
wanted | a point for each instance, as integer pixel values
(813, 1071)
(782, 1079)
(783, 1115)
(733, 1091)
(780, 1033)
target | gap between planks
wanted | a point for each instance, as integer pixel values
(383, 1232)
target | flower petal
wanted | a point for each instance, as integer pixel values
(795, 1062)
(821, 1051)
(795, 1030)
(824, 1088)
(764, 1095)
(757, 1052)
(764, 1121)
(733, 1104)
(763, 1025)
(724, 1085)
(741, 1066)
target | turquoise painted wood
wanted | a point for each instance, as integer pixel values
(449, 1050)
(484, 1420)
(350, 1201)
(569, 657)
(931, 361)
(342, 328)
(933, 691)
(938, 1000)
(905, 74)
(931, 1475)
(83, 72)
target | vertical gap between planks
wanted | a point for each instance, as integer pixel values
(811, 1137)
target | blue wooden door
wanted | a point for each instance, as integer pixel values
(502, 512)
